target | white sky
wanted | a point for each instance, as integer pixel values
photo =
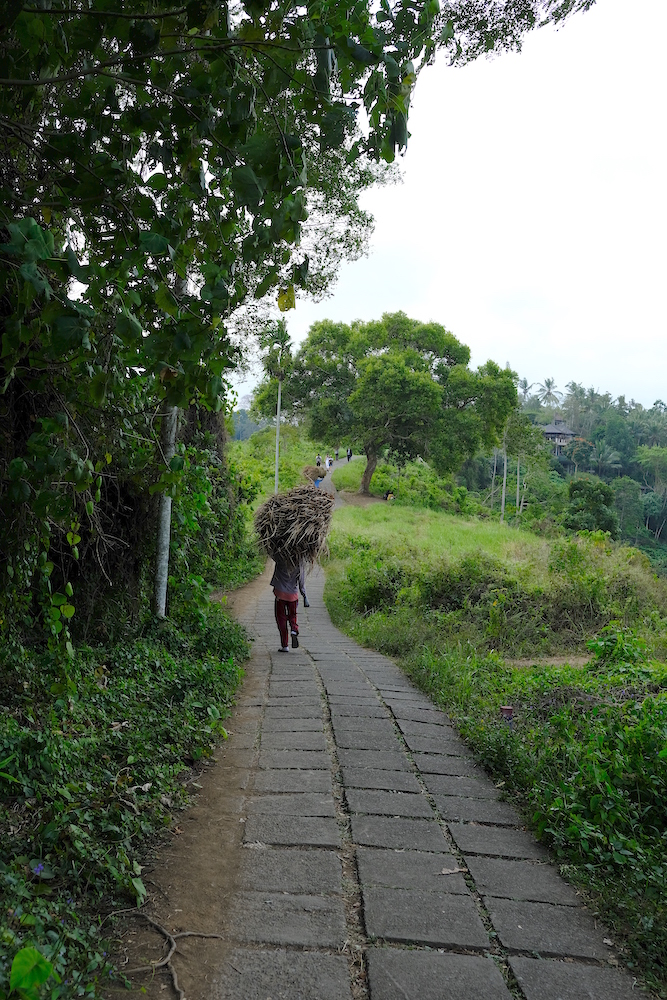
(532, 218)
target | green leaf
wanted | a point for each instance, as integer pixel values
(29, 969)
(154, 244)
(128, 328)
(177, 463)
(164, 298)
(140, 890)
(247, 186)
(67, 610)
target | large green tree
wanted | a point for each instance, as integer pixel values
(395, 384)
(163, 165)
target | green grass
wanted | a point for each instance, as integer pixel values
(93, 756)
(586, 760)
(255, 458)
(427, 536)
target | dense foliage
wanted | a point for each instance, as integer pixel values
(94, 758)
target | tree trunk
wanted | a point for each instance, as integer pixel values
(168, 429)
(502, 502)
(371, 463)
(518, 483)
(493, 478)
(280, 385)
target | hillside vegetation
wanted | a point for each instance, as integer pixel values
(456, 601)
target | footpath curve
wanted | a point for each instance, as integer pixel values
(346, 846)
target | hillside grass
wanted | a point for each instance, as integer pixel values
(428, 536)
(255, 458)
(455, 601)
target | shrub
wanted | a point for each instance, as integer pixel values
(591, 507)
(94, 751)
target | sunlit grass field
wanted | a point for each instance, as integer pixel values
(428, 535)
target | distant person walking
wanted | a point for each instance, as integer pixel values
(336, 453)
(318, 460)
(349, 454)
(327, 462)
(287, 580)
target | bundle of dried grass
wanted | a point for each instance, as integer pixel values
(313, 472)
(293, 526)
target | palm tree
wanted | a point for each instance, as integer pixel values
(524, 388)
(547, 392)
(605, 458)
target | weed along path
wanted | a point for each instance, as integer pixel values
(346, 846)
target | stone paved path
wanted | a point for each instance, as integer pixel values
(369, 831)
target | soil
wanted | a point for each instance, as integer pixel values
(358, 499)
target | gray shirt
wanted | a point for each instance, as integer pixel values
(288, 579)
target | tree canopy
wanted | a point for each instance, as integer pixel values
(395, 384)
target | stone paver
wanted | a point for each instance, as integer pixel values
(552, 980)
(256, 975)
(368, 777)
(293, 741)
(383, 760)
(281, 918)
(387, 803)
(458, 808)
(339, 765)
(520, 880)
(302, 759)
(456, 784)
(292, 830)
(355, 739)
(428, 918)
(398, 833)
(547, 929)
(303, 804)
(495, 841)
(419, 975)
(278, 780)
(296, 871)
(401, 869)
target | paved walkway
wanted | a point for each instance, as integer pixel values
(378, 860)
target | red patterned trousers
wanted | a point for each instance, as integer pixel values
(286, 613)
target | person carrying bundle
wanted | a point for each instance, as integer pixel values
(292, 528)
(287, 577)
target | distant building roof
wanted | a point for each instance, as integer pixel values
(558, 427)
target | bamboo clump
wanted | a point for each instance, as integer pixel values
(293, 526)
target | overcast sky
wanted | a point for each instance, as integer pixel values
(532, 217)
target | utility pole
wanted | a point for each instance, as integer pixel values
(280, 385)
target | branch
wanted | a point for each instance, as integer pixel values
(61, 11)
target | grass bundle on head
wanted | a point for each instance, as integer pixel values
(313, 472)
(293, 526)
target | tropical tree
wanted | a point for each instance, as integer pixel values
(605, 458)
(397, 384)
(167, 161)
(524, 388)
(590, 507)
(547, 392)
(579, 451)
